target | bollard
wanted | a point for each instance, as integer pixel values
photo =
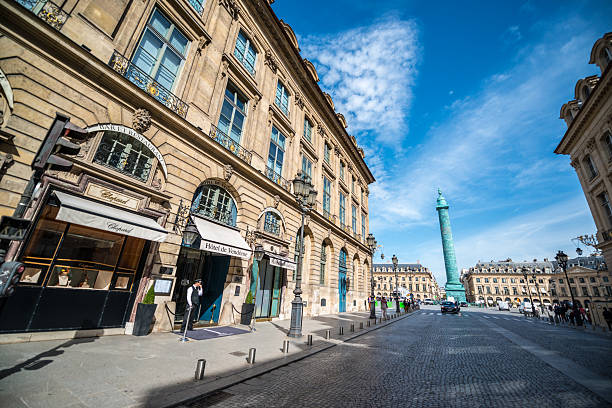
(360, 325)
(199, 372)
(352, 327)
(285, 346)
(368, 323)
(309, 341)
(341, 331)
(251, 356)
(328, 334)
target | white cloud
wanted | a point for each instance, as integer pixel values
(369, 71)
(512, 35)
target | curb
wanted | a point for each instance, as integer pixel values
(218, 384)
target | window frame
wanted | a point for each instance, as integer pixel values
(278, 100)
(248, 44)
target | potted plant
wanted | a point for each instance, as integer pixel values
(144, 314)
(247, 309)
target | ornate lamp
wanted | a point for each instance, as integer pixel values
(299, 184)
(190, 233)
(258, 253)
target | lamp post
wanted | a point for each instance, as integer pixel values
(562, 258)
(306, 197)
(372, 245)
(525, 270)
(394, 260)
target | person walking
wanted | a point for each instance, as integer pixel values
(193, 301)
(383, 307)
(607, 315)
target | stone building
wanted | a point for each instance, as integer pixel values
(195, 113)
(413, 279)
(589, 280)
(588, 140)
(492, 282)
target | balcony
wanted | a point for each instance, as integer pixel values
(345, 228)
(138, 77)
(330, 217)
(275, 177)
(197, 6)
(47, 11)
(230, 144)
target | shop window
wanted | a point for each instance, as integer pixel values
(214, 202)
(125, 154)
(46, 236)
(90, 245)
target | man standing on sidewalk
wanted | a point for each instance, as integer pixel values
(193, 301)
(607, 315)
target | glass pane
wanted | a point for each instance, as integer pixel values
(148, 52)
(46, 236)
(225, 118)
(160, 23)
(274, 134)
(123, 282)
(131, 253)
(240, 46)
(178, 41)
(168, 69)
(32, 273)
(281, 140)
(90, 245)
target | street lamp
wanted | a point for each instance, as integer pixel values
(562, 258)
(190, 234)
(525, 270)
(372, 245)
(306, 197)
(394, 260)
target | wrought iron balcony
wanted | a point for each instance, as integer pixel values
(197, 6)
(230, 144)
(47, 11)
(345, 227)
(142, 80)
(277, 178)
(329, 216)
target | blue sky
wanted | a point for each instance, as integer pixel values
(464, 96)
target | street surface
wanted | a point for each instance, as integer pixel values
(479, 358)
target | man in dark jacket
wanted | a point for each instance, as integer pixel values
(193, 301)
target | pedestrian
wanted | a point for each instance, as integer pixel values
(193, 301)
(572, 316)
(383, 307)
(583, 315)
(607, 315)
(406, 305)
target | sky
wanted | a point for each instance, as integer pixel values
(465, 97)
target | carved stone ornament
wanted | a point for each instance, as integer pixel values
(249, 237)
(276, 199)
(232, 8)
(85, 147)
(321, 130)
(6, 160)
(299, 101)
(575, 164)
(141, 120)
(306, 219)
(255, 101)
(329, 233)
(202, 43)
(270, 61)
(344, 242)
(6, 100)
(227, 172)
(590, 145)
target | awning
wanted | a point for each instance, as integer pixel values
(220, 239)
(283, 262)
(92, 214)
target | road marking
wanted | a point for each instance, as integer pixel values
(494, 317)
(439, 314)
(486, 317)
(598, 384)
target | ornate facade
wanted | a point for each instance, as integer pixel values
(196, 113)
(413, 279)
(588, 140)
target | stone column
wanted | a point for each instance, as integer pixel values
(454, 288)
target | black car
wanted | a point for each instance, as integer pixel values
(449, 307)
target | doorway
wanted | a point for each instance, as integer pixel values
(269, 290)
(342, 282)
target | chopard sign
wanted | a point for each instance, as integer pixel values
(119, 228)
(131, 132)
(111, 196)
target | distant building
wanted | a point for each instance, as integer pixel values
(415, 278)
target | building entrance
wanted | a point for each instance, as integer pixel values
(269, 290)
(342, 282)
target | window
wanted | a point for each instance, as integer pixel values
(353, 185)
(327, 153)
(478, 280)
(504, 280)
(540, 280)
(342, 166)
(605, 278)
(604, 201)
(276, 155)
(571, 280)
(588, 161)
(363, 226)
(307, 166)
(514, 291)
(323, 262)
(592, 279)
(486, 280)
(326, 196)
(361, 194)
(585, 292)
(214, 202)
(560, 280)
(307, 130)
(494, 280)
(506, 291)
(488, 289)
(595, 291)
(354, 219)
(161, 51)
(581, 280)
(272, 223)
(125, 154)
(282, 98)
(233, 113)
(480, 290)
(342, 209)
(245, 52)
(607, 139)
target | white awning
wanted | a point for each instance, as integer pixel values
(220, 239)
(281, 261)
(92, 214)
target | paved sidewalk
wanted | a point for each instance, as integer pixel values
(156, 370)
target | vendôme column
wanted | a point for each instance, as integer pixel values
(454, 288)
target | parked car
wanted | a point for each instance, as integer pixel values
(428, 301)
(525, 307)
(464, 304)
(502, 305)
(449, 307)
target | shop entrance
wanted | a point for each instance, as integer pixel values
(342, 282)
(212, 269)
(269, 290)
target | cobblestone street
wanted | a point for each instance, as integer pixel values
(476, 359)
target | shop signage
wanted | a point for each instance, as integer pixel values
(224, 249)
(111, 196)
(131, 132)
(283, 263)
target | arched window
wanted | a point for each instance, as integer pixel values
(125, 154)
(214, 202)
(343, 256)
(272, 223)
(323, 262)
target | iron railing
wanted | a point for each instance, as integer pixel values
(329, 216)
(230, 144)
(47, 11)
(197, 6)
(277, 178)
(145, 82)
